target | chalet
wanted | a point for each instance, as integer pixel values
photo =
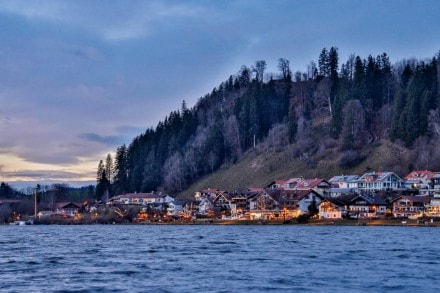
(261, 205)
(421, 180)
(364, 206)
(433, 208)
(305, 198)
(375, 181)
(68, 208)
(205, 206)
(175, 207)
(331, 208)
(408, 206)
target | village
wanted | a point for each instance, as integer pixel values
(374, 195)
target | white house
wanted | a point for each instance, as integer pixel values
(344, 181)
(375, 181)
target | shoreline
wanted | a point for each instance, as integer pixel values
(293, 222)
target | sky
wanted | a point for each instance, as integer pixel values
(80, 78)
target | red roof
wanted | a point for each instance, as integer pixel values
(414, 175)
(308, 183)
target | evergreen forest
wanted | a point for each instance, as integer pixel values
(338, 109)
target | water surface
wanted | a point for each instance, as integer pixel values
(213, 258)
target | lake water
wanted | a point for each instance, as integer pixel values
(214, 258)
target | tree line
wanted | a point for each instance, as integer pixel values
(344, 106)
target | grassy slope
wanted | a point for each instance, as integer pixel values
(258, 169)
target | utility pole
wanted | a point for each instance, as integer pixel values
(35, 205)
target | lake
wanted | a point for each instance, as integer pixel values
(215, 258)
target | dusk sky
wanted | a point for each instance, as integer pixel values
(80, 78)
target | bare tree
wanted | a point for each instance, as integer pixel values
(284, 67)
(259, 68)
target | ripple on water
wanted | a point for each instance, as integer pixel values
(218, 259)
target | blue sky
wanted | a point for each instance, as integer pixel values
(79, 78)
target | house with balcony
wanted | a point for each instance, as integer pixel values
(365, 206)
(410, 206)
(420, 180)
(331, 208)
(372, 182)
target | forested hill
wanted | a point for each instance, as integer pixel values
(335, 109)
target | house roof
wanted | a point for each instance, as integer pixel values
(310, 183)
(421, 199)
(343, 178)
(300, 194)
(294, 181)
(141, 195)
(335, 201)
(377, 176)
(417, 175)
(64, 205)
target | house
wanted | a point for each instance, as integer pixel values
(436, 182)
(142, 199)
(408, 206)
(68, 208)
(421, 180)
(344, 181)
(318, 185)
(365, 206)
(433, 208)
(336, 192)
(331, 208)
(261, 205)
(305, 198)
(375, 181)
(175, 208)
(207, 193)
(204, 206)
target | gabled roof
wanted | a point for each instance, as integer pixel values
(334, 201)
(300, 194)
(377, 176)
(417, 175)
(63, 205)
(421, 199)
(311, 183)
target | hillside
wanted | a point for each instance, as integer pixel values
(364, 114)
(258, 168)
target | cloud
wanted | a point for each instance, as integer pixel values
(42, 175)
(108, 140)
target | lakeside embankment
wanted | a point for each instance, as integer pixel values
(309, 222)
